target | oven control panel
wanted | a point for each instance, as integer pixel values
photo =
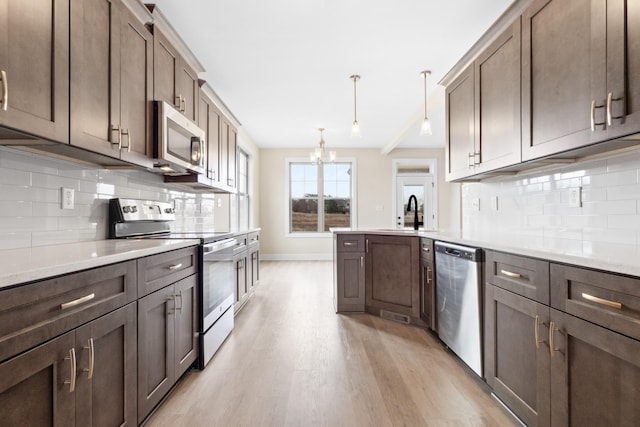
(128, 210)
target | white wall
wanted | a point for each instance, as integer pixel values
(534, 211)
(374, 189)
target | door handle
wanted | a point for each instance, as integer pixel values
(124, 132)
(5, 90)
(174, 266)
(116, 128)
(536, 332)
(92, 359)
(429, 275)
(593, 115)
(77, 301)
(72, 365)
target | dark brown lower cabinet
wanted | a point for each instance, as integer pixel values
(167, 340)
(516, 359)
(595, 375)
(86, 377)
(349, 281)
(587, 376)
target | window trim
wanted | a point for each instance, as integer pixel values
(287, 199)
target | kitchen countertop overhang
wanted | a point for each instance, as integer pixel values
(626, 260)
(26, 265)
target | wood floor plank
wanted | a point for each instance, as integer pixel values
(291, 361)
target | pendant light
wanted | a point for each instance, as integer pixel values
(355, 128)
(425, 129)
(319, 155)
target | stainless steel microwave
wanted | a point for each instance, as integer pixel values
(179, 144)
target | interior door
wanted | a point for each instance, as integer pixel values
(421, 186)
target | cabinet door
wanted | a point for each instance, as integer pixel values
(231, 157)
(186, 324)
(34, 55)
(428, 294)
(255, 268)
(33, 389)
(461, 131)
(623, 66)
(166, 63)
(560, 80)
(241, 281)
(392, 274)
(350, 284)
(188, 90)
(209, 120)
(595, 375)
(136, 90)
(497, 98)
(156, 319)
(516, 361)
(106, 357)
(95, 75)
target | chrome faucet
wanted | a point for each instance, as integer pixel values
(416, 223)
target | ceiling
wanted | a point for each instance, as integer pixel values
(283, 66)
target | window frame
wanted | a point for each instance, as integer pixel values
(287, 183)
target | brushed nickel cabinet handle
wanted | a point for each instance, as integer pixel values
(72, 365)
(174, 266)
(476, 154)
(429, 275)
(5, 90)
(366, 244)
(348, 243)
(178, 103)
(551, 343)
(471, 160)
(593, 115)
(609, 102)
(175, 305)
(78, 301)
(203, 146)
(92, 359)
(116, 128)
(536, 332)
(511, 274)
(602, 301)
(181, 302)
(361, 262)
(125, 132)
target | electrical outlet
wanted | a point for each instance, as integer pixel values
(67, 198)
(575, 197)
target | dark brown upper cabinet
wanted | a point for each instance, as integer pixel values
(175, 81)
(111, 81)
(483, 110)
(34, 65)
(580, 63)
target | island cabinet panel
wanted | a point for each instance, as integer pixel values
(34, 60)
(427, 284)
(348, 273)
(392, 276)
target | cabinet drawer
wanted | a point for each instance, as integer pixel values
(350, 243)
(157, 271)
(605, 299)
(253, 238)
(34, 313)
(522, 275)
(241, 243)
(426, 249)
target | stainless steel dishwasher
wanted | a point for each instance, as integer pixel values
(459, 297)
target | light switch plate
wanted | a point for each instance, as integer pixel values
(67, 198)
(475, 204)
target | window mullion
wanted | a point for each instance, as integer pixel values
(320, 197)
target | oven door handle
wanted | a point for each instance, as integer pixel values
(218, 246)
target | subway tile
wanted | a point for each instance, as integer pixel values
(608, 235)
(623, 192)
(626, 222)
(28, 162)
(624, 177)
(45, 238)
(28, 223)
(15, 240)
(15, 208)
(40, 180)
(627, 161)
(610, 207)
(15, 177)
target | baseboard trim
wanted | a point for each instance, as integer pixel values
(296, 257)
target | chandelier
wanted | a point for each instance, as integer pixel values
(320, 155)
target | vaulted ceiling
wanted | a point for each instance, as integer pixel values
(283, 66)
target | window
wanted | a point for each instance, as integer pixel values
(243, 190)
(320, 196)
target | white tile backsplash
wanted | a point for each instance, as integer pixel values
(536, 205)
(30, 199)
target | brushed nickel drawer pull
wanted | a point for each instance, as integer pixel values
(5, 90)
(92, 359)
(72, 363)
(551, 343)
(348, 244)
(78, 301)
(537, 332)
(181, 302)
(511, 274)
(174, 267)
(602, 301)
(361, 262)
(116, 128)
(429, 275)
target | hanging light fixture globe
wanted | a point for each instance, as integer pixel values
(355, 127)
(319, 155)
(425, 129)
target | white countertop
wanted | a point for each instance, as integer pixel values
(37, 263)
(617, 259)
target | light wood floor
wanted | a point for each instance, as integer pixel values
(291, 361)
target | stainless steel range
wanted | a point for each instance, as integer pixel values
(145, 219)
